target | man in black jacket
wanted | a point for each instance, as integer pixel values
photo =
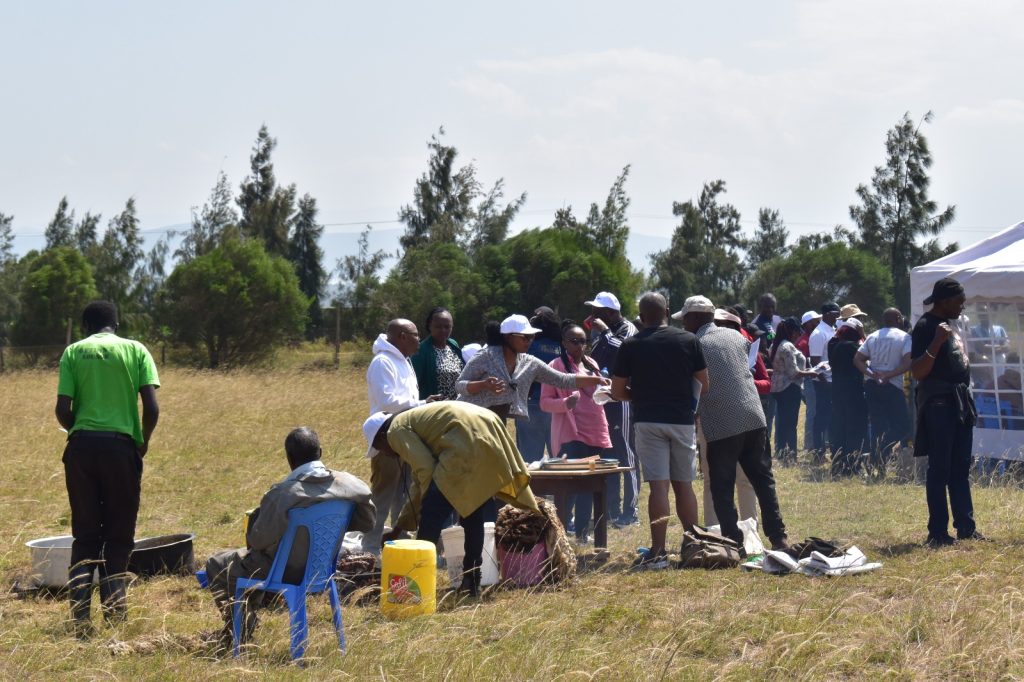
(608, 329)
(945, 413)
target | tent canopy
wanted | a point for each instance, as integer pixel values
(991, 268)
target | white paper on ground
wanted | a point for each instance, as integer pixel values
(778, 563)
(852, 557)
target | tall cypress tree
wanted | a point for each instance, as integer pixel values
(61, 230)
(306, 255)
(769, 240)
(704, 256)
(6, 238)
(266, 208)
(118, 260)
(895, 211)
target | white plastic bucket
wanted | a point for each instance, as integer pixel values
(454, 542)
(489, 574)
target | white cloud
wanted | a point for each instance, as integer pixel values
(997, 112)
(494, 93)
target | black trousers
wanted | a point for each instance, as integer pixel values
(622, 504)
(746, 449)
(949, 468)
(849, 430)
(822, 416)
(434, 514)
(890, 418)
(787, 403)
(104, 479)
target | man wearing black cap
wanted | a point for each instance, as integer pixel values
(945, 413)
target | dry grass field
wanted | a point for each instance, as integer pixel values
(952, 613)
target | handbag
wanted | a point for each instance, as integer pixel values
(703, 549)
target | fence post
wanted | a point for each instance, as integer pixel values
(337, 336)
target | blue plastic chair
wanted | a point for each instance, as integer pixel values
(326, 523)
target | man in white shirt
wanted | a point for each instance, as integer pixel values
(883, 358)
(391, 383)
(817, 344)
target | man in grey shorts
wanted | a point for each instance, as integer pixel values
(656, 369)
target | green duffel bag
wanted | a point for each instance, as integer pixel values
(702, 549)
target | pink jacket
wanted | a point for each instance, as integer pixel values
(585, 422)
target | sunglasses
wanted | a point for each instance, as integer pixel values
(576, 342)
(524, 336)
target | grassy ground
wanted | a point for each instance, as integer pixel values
(927, 614)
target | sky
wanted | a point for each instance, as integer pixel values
(788, 102)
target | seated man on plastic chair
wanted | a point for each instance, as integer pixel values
(308, 483)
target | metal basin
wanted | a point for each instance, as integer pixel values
(162, 555)
(51, 557)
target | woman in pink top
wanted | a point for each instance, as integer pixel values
(578, 424)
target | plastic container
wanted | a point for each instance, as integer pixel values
(408, 579)
(453, 540)
(524, 569)
(489, 571)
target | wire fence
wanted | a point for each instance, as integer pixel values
(315, 355)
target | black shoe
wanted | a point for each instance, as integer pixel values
(80, 596)
(936, 541)
(114, 597)
(470, 585)
(975, 535)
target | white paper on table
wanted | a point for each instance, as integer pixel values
(752, 355)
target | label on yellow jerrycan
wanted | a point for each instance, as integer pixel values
(408, 578)
(403, 590)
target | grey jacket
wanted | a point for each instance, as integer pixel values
(491, 362)
(270, 521)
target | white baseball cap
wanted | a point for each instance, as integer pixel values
(518, 324)
(810, 315)
(726, 316)
(604, 299)
(370, 428)
(695, 304)
(469, 350)
(852, 322)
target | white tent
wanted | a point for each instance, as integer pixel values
(991, 268)
(992, 274)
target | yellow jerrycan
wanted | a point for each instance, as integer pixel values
(408, 578)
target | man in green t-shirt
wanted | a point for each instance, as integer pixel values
(101, 379)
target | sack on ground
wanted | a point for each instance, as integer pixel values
(703, 549)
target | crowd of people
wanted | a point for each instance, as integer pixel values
(703, 396)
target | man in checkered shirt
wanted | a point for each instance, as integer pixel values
(733, 422)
